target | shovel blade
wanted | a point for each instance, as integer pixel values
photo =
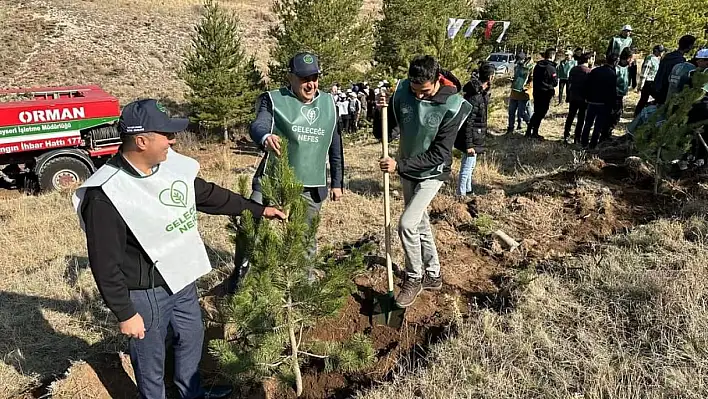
(386, 312)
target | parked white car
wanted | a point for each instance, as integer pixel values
(503, 62)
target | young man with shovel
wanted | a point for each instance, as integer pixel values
(429, 111)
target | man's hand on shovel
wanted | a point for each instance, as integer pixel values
(387, 164)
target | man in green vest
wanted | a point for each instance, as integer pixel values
(621, 42)
(646, 80)
(429, 112)
(622, 88)
(307, 118)
(519, 96)
(564, 68)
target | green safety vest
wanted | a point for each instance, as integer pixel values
(679, 77)
(420, 121)
(564, 69)
(650, 67)
(521, 76)
(620, 43)
(622, 80)
(309, 129)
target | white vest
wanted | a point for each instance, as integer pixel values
(160, 210)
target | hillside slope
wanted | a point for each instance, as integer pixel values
(132, 48)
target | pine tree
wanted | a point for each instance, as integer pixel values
(332, 29)
(223, 81)
(406, 31)
(279, 298)
(667, 135)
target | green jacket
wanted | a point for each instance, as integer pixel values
(564, 69)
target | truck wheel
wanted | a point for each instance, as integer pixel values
(61, 172)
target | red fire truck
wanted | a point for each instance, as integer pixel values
(56, 136)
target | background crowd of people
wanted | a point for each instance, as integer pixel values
(595, 94)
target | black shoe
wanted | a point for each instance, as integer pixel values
(218, 392)
(537, 137)
(431, 283)
(409, 292)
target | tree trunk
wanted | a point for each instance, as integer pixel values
(657, 171)
(294, 349)
(226, 132)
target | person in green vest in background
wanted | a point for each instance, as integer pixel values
(621, 42)
(307, 118)
(564, 73)
(520, 92)
(646, 79)
(429, 111)
(679, 77)
(622, 70)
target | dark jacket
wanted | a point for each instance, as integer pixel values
(440, 150)
(263, 125)
(117, 260)
(601, 86)
(545, 76)
(577, 79)
(661, 80)
(472, 134)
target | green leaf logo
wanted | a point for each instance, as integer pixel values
(161, 107)
(176, 195)
(308, 59)
(310, 114)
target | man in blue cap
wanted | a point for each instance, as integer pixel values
(139, 213)
(307, 118)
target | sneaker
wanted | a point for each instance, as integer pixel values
(432, 283)
(409, 292)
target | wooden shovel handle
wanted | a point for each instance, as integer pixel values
(387, 198)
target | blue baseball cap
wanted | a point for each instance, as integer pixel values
(304, 64)
(149, 115)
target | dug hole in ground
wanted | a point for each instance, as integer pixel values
(603, 297)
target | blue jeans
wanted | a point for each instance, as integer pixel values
(520, 110)
(159, 310)
(464, 180)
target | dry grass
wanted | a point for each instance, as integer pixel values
(626, 321)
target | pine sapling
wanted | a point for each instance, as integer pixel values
(286, 291)
(667, 135)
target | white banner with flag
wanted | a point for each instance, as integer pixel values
(473, 25)
(454, 25)
(506, 27)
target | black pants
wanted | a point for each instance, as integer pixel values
(597, 115)
(542, 102)
(647, 91)
(615, 116)
(576, 108)
(562, 84)
(632, 76)
(353, 122)
(344, 121)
